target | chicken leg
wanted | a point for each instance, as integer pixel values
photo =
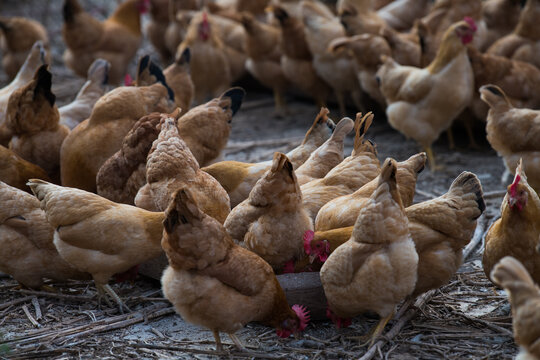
(237, 342)
(106, 289)
(219, 346)
(431, 160)
(380, 327)
(279, 102)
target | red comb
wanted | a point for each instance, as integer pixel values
(513, 187)
(469, 20)
(303, 315)
(308, 238)
(204, 17)
(128, 80)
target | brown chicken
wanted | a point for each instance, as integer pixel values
(346, 177)
(210, 68)
(206, 128)
(217, 284)
(97, 138)
(36, 58)
(377, 267)
(116, 39)
(272, 221)
(524, 296)
(501, 18)
(524, 42)
(95, 87)
(238, 178)
(336, 69)
(522, 126)
(263, 48)
(171, 166)
(517, 232)
(327, 156)
(343, 211)
(26, 238)
(358, 18)
(297, 60)
(127, 235)
(443, 14)
(401, 14)
(518, 79)
(157, 26)
(15, 171)
(17, 37)
(123, 174)
(179, 80)
(440, 229)
(33, 119)
(178, 22)
(422, 103)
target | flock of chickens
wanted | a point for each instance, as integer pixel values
(120, 176)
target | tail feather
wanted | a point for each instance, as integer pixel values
(361, 126)
(40, 188)
(509, 272)
(99, 71)
(236, 95)
(343, 127)
(43, 84)
(467, 183)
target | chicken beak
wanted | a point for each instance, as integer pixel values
(512, 201)
(312, 258)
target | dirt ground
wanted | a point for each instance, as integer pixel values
(468, 318)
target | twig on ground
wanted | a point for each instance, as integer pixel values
(248, 354)
(29, 316)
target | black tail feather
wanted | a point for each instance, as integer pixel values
(44, 83)
(237, 95)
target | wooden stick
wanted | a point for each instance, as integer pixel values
(58, 296)
(423, 299)
(29, 316)
(37, 308)
(248, 354)
(15, 302)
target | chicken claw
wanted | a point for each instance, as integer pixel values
(106, 289)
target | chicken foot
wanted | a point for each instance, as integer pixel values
(106, 289)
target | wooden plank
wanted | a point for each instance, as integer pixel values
(302, 288)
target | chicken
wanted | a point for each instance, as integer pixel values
(272, 221)
(179, 79)
(238, 178)
(401, 14)
(210, 68)
(17, 38)
(178, 23)
(157, 26)
(440, 229)
(33, 119)
(263, 48)
(377, 267)
(171, 166)
(116, 39)
(336, 69)
(443, 14)
(36, 58)
(97, 138)
(346, 177)
(517, 231)
(343, 210)
(500, 17)
(327, 156)
(358, 18)
(422, 103)
(95, 87)
(127, 235)
(519, 80)
(523, 125)
(524, 42)
(217, 284)
(206, 128)
(26, 238)
(124, 173)
(15, 171)
(296, 61)
(524, 296)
